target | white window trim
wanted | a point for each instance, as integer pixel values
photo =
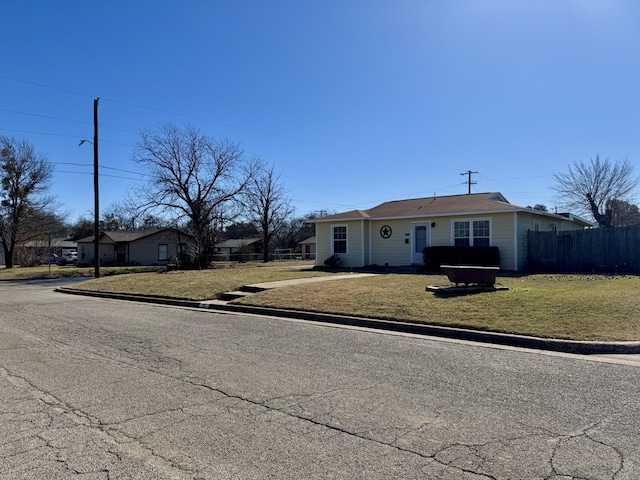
(167, 253)
(331, 237)
(471, 220)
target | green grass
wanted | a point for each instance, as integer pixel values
(579, 307)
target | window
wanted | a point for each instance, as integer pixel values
(163, 252)
(461, 234)
(472, 233)
(339, 239)
(481, 233)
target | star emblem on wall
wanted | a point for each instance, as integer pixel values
(385, 231)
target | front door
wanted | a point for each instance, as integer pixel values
(419, 240)
(122, 250)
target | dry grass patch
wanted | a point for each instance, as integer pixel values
(194, 285)
(67, 271)
(579, 307)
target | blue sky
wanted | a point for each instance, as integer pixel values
(355, 102)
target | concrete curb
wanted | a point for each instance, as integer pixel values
(557, 345)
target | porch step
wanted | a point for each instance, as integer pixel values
(228, 296)
(253, 289)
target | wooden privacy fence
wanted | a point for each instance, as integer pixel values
(598, 250)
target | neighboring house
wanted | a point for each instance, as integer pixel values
(308, 247)
(155, 246)
(31, 251)
(59, 246)
(395, 233)
(239, 249)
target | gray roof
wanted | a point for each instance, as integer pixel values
(308, 241)
(55, 242)
(236, 242)
(123, 236)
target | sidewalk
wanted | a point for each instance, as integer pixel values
(566, 346)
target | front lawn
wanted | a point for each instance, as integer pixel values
(579, 307)
(195, 285)
(67, 271)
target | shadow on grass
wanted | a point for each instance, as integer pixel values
(445, 292)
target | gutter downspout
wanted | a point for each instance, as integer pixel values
(362, 255)
(515, 240)
(370, 247)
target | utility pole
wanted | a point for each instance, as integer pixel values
(96, 220)
(469, 182)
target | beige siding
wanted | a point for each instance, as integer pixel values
(323, 242)
(392, 250)
(357, 243)
(86, 251)
(367, 247)
(502, 234)
(145, 250)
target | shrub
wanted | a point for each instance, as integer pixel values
(333, 261)
(481, 256)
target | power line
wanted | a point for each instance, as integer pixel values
(178, 114)
(52, 117)
(207, 120)
(62, 135)
(45, 86)
(101, 175)
(101, 166)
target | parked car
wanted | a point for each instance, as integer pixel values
(56, 260)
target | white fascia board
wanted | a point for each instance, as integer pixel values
(336, 220)
(457, 214)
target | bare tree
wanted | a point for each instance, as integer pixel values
(191, 175)
(588, 187)
(623, 214)
(81, 228)
(23, 180)
(295, 230)
(125, 215)
(267, 205)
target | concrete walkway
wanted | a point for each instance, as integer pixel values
(566, 346)
(261, 287)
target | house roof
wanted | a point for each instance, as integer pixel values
(236, 242)
(308, 241)
(123, 236)
(475, 203)
(55, 242)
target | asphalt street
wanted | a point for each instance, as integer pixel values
(105, 389)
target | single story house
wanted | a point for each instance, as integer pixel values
(31, 251)
(308, 248)
(242, 249)
(154, 246)
(58, 246)
(395, 233)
